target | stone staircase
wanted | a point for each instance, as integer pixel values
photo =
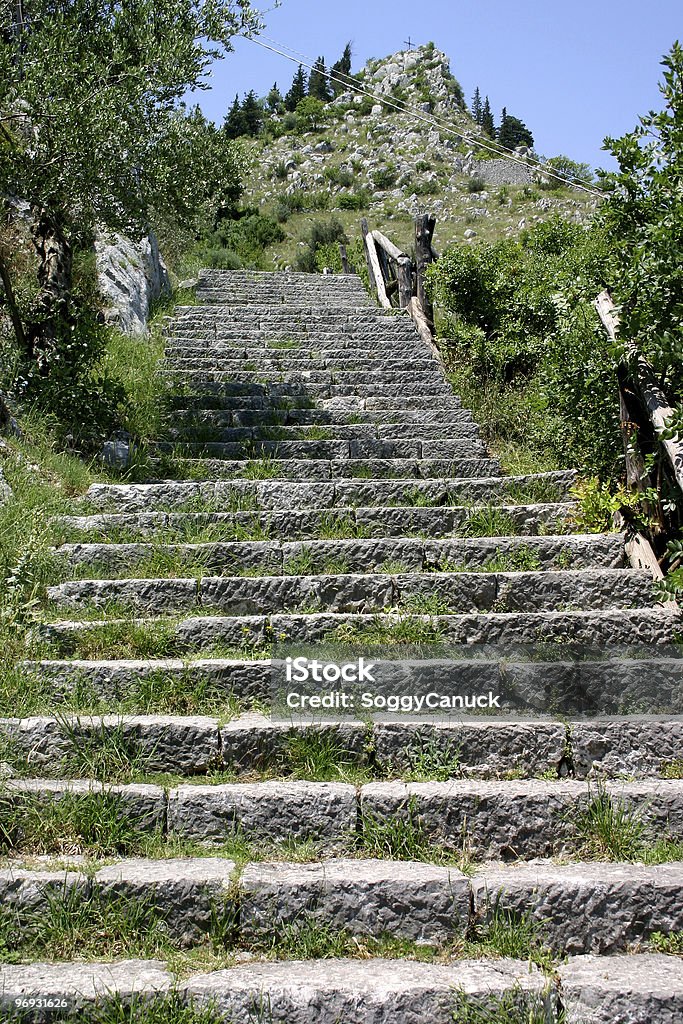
(319, 483)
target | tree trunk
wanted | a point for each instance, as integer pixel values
(52, 311)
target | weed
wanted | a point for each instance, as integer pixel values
(431, 761)
(489, 521)
(321, 757)
(98, 824)
(671, 942)
(404, 630)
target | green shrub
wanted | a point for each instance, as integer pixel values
(385, 177)
(322, 234)
(476, 184)
(359, 200)
(518, 317)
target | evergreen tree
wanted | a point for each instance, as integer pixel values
(297, 91)
(234, 121)
(341, 72)
(487, 121)
(477, 109)
(274, 101)
(252, 115)
(513, 132)
(318, 82)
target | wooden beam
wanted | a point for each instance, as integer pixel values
(376, 279)
(346, 268)
(390, 249)
(658, 409)
(424, 330)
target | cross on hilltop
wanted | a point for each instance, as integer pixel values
(409, 43)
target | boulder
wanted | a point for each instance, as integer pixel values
(131, 276)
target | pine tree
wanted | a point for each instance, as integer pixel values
(476, 106)
(318, 83)
(252, 115)
(297, 91)
(487, 121)
(233, 125)
(341, 72)
(274, 101)
(513, 132)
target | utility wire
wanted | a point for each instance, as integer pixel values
(430, 119)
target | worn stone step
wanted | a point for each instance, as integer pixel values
(341, 368)
(390, 554)
(462, 592)
(640, 989)
(357, 449)
(514, 820)
(625, 696)
(309, 992)
(250, 424)
(207, 462)
(44, 992)
(397, 522)
(367, 436)
(296, 348)
(595, 627)
(593, 908)
(273, 495)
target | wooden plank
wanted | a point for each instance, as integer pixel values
(384, 243)
(658, 409)
(424, 329)
(346, 268)
(375, 272)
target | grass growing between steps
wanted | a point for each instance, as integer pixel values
(70, 925)
(610, 829)
(25, 692)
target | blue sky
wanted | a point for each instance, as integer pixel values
(573, 71)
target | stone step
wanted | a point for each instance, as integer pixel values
(367, 453)
(385, 380)
(281, 398)
(385, 554)
(423, 903)
(302, 347)
(207, 463)
(460, 747)
(371, 523)
(308, 992)
(459, 446)
(493, 820)
(462, 592)
(286, 495)
(640, 989)
(282, 363)
(582, 682)
(256, 421)
(610, 628)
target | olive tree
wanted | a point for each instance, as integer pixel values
(94, 133)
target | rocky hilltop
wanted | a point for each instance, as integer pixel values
(363, 156)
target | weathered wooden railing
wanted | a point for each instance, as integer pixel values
(645, 419)
(398, 281)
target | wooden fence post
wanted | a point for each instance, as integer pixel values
(424, 231)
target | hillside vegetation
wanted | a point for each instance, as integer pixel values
(356, 155)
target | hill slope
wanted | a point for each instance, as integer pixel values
(365, 157)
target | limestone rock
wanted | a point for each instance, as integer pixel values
(131, 276)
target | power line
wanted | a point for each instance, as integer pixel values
(432, 120)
